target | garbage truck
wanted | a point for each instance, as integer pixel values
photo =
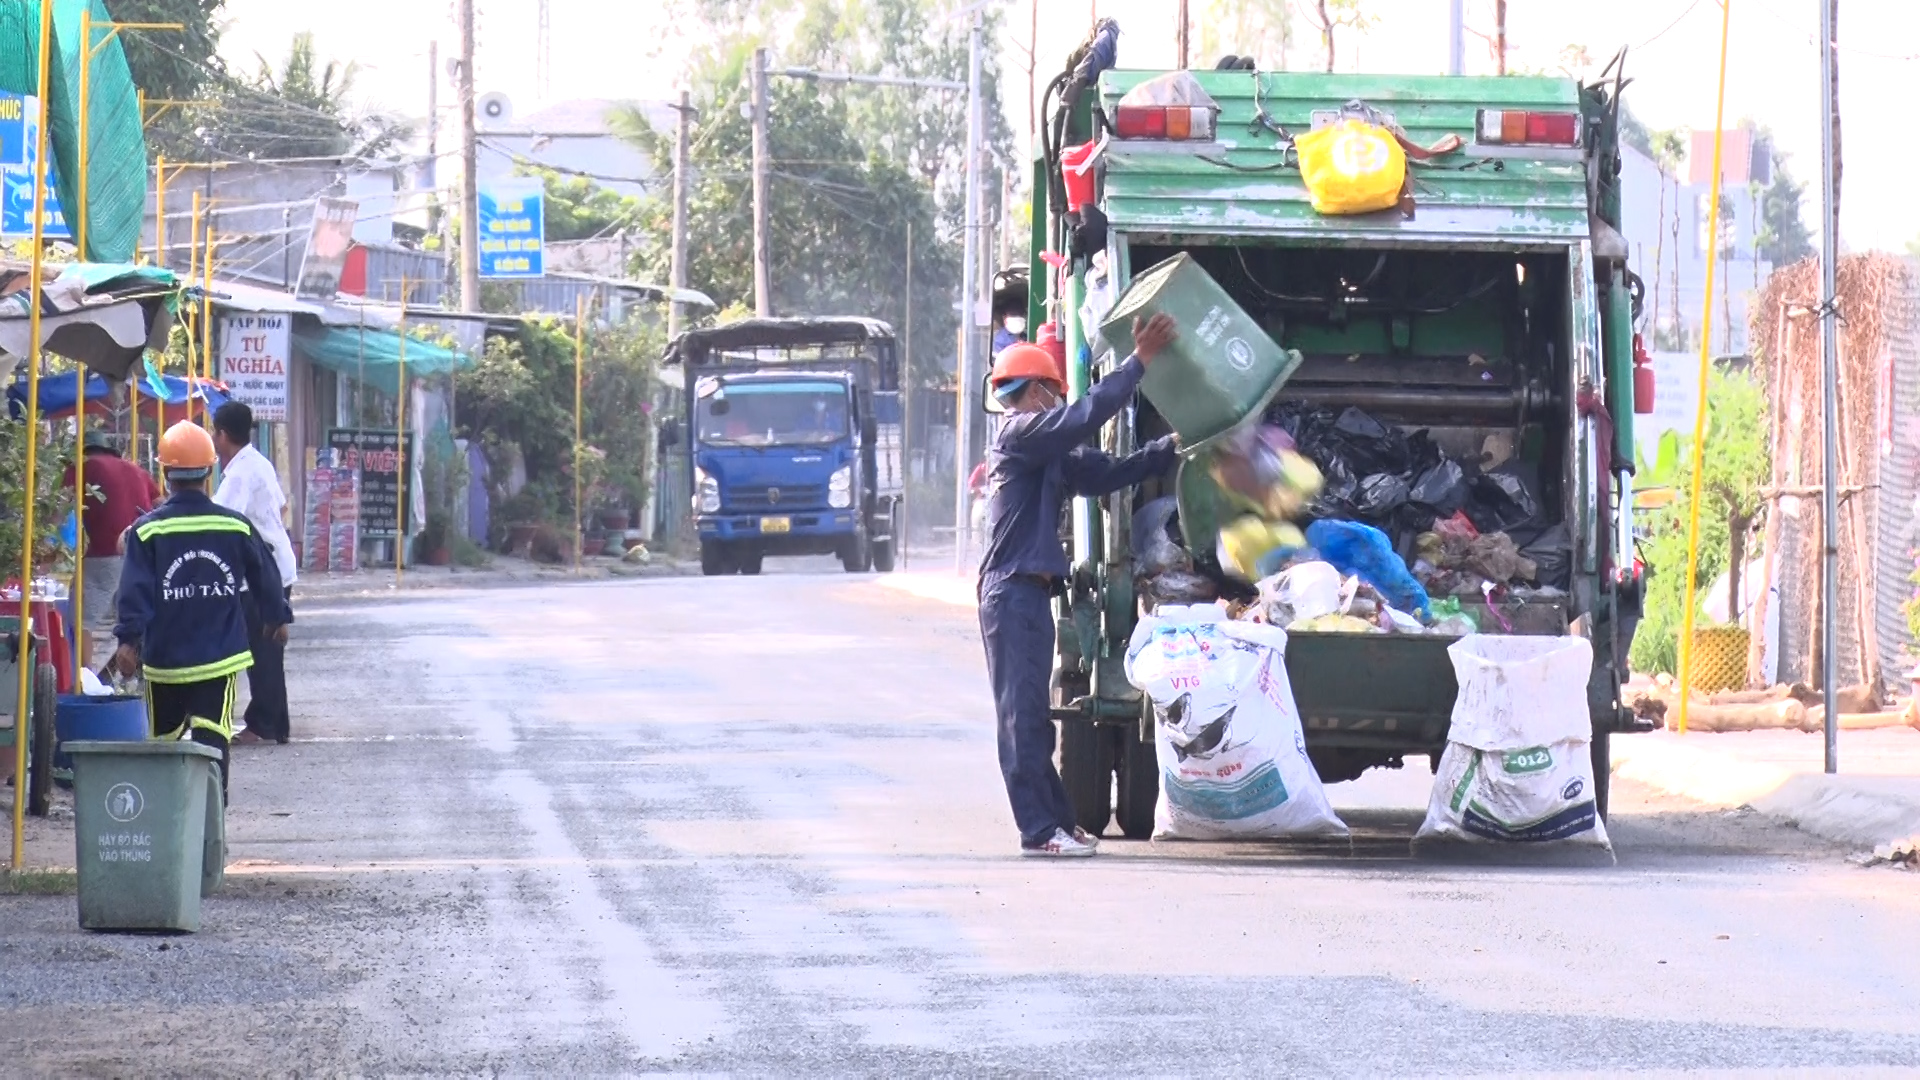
(1492, 311)
(791, 441)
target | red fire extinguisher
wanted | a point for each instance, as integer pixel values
(1643, 381)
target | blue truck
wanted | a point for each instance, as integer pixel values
(792, 441)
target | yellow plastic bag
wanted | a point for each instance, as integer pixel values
(1352, 167)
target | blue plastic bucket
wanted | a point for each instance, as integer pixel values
(110, 719)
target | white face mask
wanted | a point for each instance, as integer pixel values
(1015, 325)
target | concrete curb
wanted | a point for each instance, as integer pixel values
(1865, 811)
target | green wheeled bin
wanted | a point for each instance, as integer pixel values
(148, 832)
(1221, 370)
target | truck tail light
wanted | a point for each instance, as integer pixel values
(1517, 127)
(1182, 122)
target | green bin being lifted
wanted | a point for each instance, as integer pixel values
(148, 832)
(1221, 369)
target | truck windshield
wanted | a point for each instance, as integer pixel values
(774, 414)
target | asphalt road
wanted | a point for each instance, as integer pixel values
(755, 826)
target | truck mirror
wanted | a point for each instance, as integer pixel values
(988, 402)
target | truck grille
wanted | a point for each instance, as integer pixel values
(795, 497)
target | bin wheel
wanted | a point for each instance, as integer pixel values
(46, 700)
(1602, 772)
(1139, 783)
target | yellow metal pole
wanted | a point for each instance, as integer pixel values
(1700, 411)
(79, 607)
(86, 68)
(400, 476)
(193, 272)
(36, 277)
(206, 325)
(579, 382)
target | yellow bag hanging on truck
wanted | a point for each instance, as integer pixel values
(1352, 167)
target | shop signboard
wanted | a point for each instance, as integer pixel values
(513, 228)
(328, 242)
(19, 129)
(374, 453)
(253, 362)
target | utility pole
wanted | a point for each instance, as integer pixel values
(431, 174)
(1500, 36)
(1829, 391)
(762, 270)
(469, 170)
(1180, 36)
(969, 366)
(1456, 37)
(676, 311)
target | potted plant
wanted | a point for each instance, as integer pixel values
(53, 499)
(434, 543)
(615, 518)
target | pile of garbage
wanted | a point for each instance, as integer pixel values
(1376, 530)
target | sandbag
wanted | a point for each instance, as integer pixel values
(1518, 767)
(1232, 755)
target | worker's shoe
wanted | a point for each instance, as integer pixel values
(1061, 845)
(1086, 838)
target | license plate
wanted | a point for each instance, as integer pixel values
(776, 525)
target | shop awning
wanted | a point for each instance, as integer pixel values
(103, 315)
(374, 355)
(56, 397)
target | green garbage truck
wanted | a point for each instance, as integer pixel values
(1492, 312)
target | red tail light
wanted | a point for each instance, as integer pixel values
(1517, 127)
(1163, 122)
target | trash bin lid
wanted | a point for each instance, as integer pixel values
(151, 747)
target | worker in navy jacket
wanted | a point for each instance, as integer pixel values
(192, 567)
(1037, 462)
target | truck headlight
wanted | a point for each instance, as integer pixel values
(840, 488)
(706, 492)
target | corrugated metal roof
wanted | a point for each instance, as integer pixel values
(1242, 185)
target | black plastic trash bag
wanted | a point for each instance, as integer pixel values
(1380, 495)
(1154, 542)
(1442, 490)
(1551, 550)
(1500, 502)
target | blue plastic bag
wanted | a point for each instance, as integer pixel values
(70, 533)
(1354, 548)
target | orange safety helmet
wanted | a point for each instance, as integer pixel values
(186, 448)
(1024, 361)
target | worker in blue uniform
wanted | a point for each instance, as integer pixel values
(1038, 460)
(191, 569)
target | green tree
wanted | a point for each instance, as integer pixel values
(579, 209)
(854, 167)
(1331, 16)
(1783, 238)
(172, 65)
(1262, 29)
(301, 107)
(1737, 468)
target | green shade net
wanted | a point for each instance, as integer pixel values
(373, 356)
(117, 161)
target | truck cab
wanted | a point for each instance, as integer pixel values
(792, 439)
(1493, 311)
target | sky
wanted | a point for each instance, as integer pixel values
(624, 51)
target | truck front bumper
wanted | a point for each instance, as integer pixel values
(804, 532)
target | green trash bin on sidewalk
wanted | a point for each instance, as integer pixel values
(148, 832)
(1221, 369)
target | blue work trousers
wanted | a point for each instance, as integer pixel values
(1016, 623)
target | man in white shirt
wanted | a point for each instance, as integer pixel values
(249, 485)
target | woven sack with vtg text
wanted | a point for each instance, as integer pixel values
(1352, 167)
